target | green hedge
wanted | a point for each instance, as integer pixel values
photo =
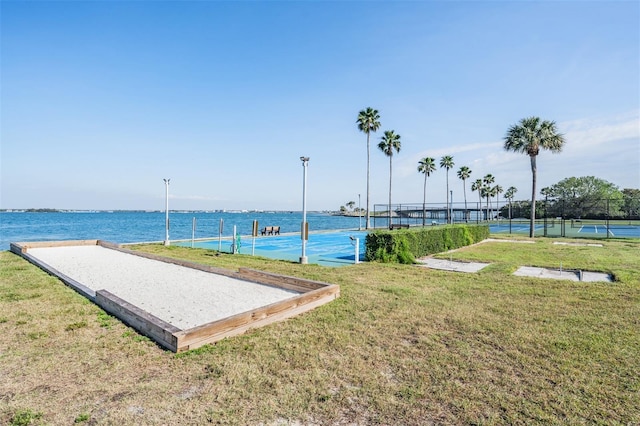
(404, 245)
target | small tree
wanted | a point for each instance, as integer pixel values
(464, 173)
(368, 121)
(477, 186)
(390, 142)
(447, 163)
(509, 194)
(488, 181)
(426, 166)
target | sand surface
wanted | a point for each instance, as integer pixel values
(181, 296)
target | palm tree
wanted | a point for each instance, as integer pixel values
(351, 204)
(464, 173)
(447, 163)
(487, 181)
(509, 194)
(390, 142)
(477, 186)
(498, 190)
(368, 121)
(528, 137)
(427, 166)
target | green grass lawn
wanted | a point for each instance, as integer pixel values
(402, 345)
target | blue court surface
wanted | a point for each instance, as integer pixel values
(613, 231)
(331, 248)
(586, 230)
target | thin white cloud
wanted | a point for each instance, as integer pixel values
(590, 133)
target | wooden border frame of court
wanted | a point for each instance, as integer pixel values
(312, 294)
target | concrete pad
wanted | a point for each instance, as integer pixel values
(449, 265)
(495, 240)
(571, 275)
(561, 243)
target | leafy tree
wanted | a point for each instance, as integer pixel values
(529, 136)
(477, 185)
(351, 204)
(426, 166)
(368, 121)
(587, 196)
(447, 163)
(631, 200)
(390, 142)
(464, 173)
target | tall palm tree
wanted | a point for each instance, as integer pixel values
(464, 173)
(427, 166)
(498, 190)
(529, 136)
(390, 142)
(477, 185)
(447, 163)
(488, 181)
(368, 121)
(509, 194)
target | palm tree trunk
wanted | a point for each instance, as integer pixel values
(488, 212)
(534, 172)
(368, 221)
(424, 200)
(390, 157)
(447, 216)
(466, 212)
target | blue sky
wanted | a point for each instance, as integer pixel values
(102, 100)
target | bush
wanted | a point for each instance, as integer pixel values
(404, 245)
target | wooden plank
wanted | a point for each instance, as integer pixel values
(149, 325)
(290, 283)
(46, 244)
(240, 323)
(75, 285)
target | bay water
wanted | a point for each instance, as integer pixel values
(138, 226)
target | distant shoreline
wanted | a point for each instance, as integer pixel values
(330, 212)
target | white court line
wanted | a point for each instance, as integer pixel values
(596, 228)
(580, 230)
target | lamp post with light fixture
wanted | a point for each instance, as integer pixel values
(304, 228)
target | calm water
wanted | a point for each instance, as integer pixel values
(129, 227)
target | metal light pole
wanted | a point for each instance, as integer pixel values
(303, 227)
(451, 207)
(166, 211)
(359, 215)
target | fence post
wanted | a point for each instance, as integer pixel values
(546, 213)
(607, 218)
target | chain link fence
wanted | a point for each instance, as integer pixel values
(575, 218)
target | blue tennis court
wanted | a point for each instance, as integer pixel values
(332, 248)
(613, 231)
(516, 228)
